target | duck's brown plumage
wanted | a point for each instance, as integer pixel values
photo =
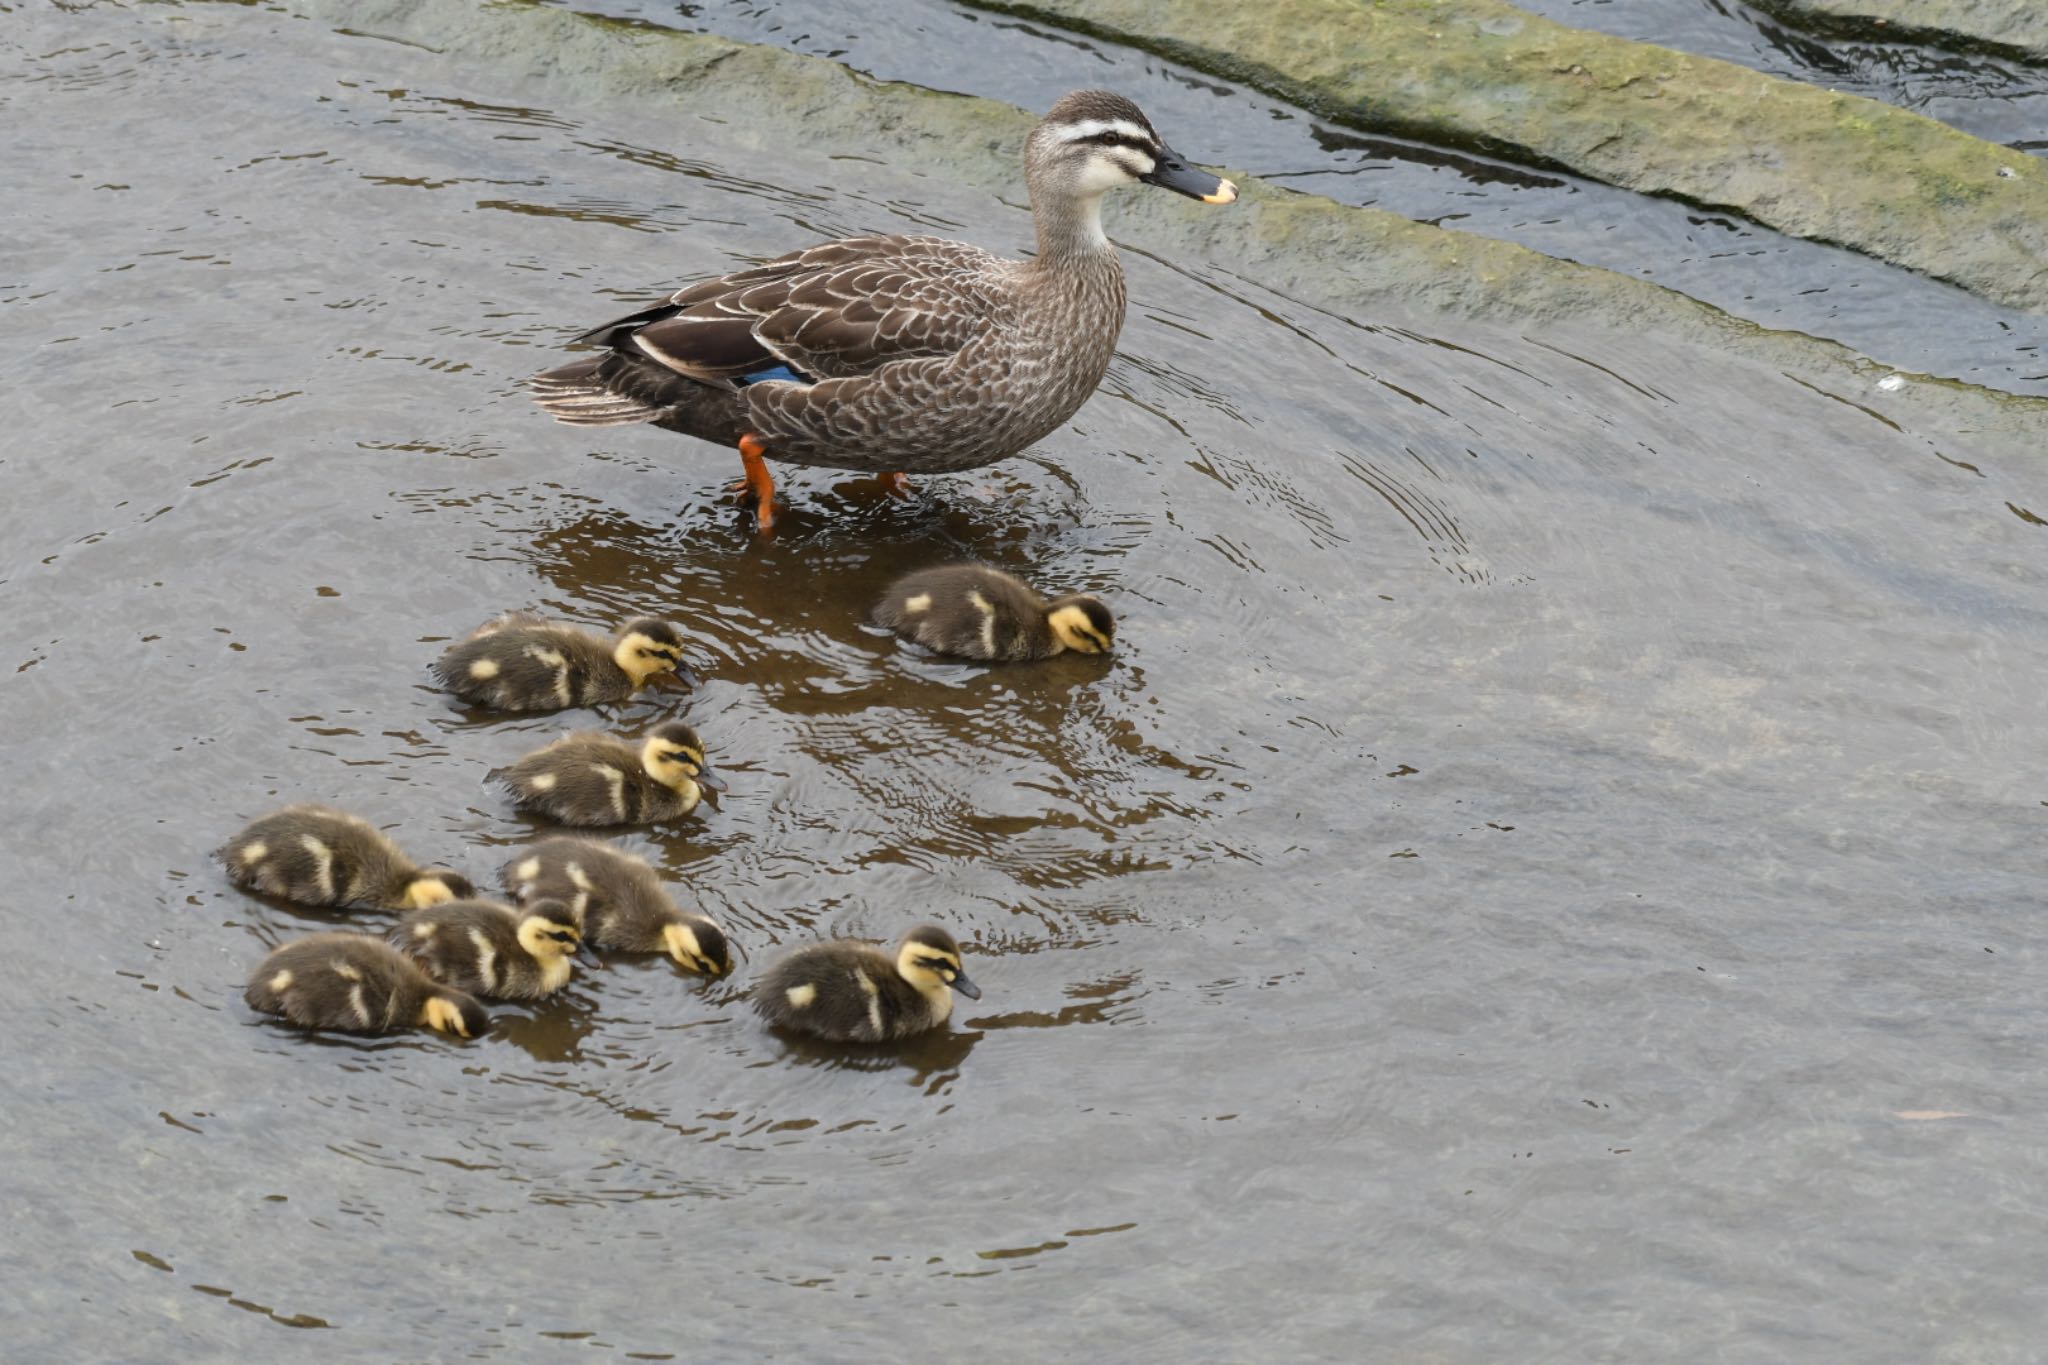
(910, 353)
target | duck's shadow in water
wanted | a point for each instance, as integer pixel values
(830, 555)
(935, 1058)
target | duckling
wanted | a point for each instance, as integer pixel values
(519, 662)
(591, 779)
(977, 612)
(855, 992)
(618, 900)
(316, 855)
(493, 950)
(361, 985)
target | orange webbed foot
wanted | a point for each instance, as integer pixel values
(759, 481)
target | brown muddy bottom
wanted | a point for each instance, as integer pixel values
(1552, 871)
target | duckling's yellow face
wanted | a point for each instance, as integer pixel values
(703, 952)
(459, 1016)
(1083, 625)
(933, 970)
(437, 888)
(548, 938)
(674, 765)
(644, 657)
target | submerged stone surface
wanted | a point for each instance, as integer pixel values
(1811, 162)
(2017, 27)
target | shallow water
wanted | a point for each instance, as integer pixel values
(1562, 821)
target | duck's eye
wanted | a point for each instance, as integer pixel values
(1116, 139)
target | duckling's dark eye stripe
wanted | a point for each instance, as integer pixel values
(1115, 139)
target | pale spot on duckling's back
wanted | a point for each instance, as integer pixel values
(486, 959)
(527, 870)
(483, 670)
(617, 781)
(323, 861)
(346, 971)
(798, 996)
(988, 622)
(279, 982)
(555, 659)
(252, 852)
(874, 994)
(919, 604)
(542, 782)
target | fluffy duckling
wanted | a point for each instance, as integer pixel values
(592, 779)
(976, 612)
(493, 950)
(519, 662)
(618, 900)
(361, 985)
(854, 992)
(316, 855)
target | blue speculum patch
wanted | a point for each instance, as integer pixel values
(776, 372)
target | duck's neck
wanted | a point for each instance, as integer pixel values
(1070, 231)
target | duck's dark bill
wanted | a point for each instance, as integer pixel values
(710, 781)
(686, 675)
(1169, 172)
(966, 987)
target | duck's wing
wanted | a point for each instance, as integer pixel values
(833, 311)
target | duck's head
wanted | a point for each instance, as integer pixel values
(437, 886)
(455, 1012)
(547, 929)
(648, 648)
(1095, 140)
(929, 959)
(1081, 623)
(674, 756)
(698, 944)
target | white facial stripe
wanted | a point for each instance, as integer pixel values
(1095, 127)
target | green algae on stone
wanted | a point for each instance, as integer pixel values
(2004, 28)
(1482, 74)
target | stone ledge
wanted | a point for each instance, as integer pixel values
(1356, 262)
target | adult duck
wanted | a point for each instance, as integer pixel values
(895, 354)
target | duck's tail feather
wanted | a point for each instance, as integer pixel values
(579, 394)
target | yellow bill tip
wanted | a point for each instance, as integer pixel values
(1226, 193)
